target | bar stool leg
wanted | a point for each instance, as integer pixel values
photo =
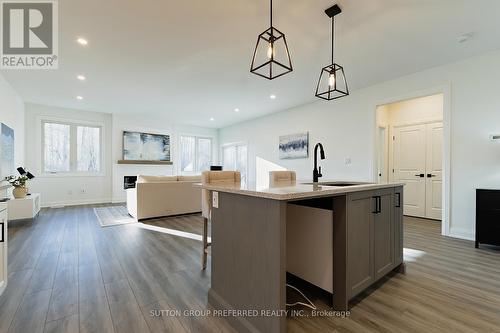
(205, 243)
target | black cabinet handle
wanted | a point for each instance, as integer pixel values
(421, 175)
(378, 205)
(2, 225)
(398, 202)
(429, 175)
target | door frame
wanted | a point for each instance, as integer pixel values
(444, 89)
(385, 154)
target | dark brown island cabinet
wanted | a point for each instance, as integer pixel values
(249, 245)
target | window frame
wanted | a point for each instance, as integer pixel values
(73, 148)
(196, 137)
(235, 144)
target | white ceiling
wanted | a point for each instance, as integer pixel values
(188, 61)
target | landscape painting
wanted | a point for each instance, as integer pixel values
(7, 166)
(139, 146)
(294, 146)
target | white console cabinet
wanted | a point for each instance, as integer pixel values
(3, 246)
(25, 208)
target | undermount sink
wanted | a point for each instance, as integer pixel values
(339, 184)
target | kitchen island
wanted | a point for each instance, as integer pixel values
(249, 244)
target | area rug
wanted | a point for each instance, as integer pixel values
(113, 215)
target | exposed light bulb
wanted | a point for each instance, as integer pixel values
(331, 80)
(270, 51)
(82, 41)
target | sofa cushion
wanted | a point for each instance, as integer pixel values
(189, 178)
(156, 179)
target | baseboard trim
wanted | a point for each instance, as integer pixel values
(462, 233)
(120, 200)
(76, 202)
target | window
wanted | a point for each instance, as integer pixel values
(196, 154)
(88, 149)
(56, 147)
(234, 157)
(71, 148)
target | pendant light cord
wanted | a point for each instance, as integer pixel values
(271, 11)
(333, 35)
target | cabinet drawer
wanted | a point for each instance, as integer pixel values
(487, 199)
(488, 219)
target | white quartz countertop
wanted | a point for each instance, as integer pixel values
(297, 191)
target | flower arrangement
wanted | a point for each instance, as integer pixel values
(19, 182)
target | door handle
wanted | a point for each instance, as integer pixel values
(429, 175)
(398, 196)
(421, 175)
(2, 225)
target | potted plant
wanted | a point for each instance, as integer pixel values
(19, 182)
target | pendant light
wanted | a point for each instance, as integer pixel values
(332, 83)
(271, 58)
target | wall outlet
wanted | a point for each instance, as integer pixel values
(215, 199)
(83, 191)
(347, 161)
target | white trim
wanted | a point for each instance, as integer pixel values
(75, 202)
(444, 89)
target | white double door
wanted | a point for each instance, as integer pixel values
(418, 161)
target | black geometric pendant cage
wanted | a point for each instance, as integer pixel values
(332, 83)
(271, 58)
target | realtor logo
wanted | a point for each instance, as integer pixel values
(29, 34)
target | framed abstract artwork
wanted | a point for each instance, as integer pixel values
(294, 146)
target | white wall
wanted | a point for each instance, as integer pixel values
(346, 127)
(140, 123)
(416, 110)
(12, 115)
(67, 190)
(61, 189)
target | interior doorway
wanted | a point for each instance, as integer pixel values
(410, 150)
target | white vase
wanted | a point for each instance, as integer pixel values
(19, 192)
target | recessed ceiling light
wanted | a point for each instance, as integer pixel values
(81, 77)
(212, 119)
(272, 96)
(236, 110)
(79, 98)
(82, 41)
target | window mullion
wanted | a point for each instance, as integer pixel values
(196, 157)
(73, 148)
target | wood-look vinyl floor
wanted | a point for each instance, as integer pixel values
(67, 274)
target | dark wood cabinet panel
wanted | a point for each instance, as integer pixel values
(487, 217)
(383, 236)
(398, 226)
(359, 240)
(375, 236)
